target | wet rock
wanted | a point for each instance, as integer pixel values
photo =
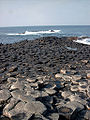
(4, 95)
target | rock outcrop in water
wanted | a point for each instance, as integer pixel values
(45, 79)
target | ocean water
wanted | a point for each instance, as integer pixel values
(16, 34)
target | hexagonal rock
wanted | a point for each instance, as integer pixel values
(58, 75)
(31, 80)
(76, 98)
(66, 94)
(10, 106)
(74, 104)
(13, 68)
(74, 88)
(17, 112)
(65, 111)
(35, 107)
(12, 80)
(50, 91)
(54, 116)
(88, 75)
(4, 95)
(18, 85)
(63, 71)
(76, 77)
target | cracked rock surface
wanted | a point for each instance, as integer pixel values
(44, 79)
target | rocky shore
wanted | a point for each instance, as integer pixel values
(45, 79)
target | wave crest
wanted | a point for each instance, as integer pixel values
(83, 41)
(35, 33)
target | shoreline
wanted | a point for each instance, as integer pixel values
(51, 73)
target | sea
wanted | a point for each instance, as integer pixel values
(10, 35)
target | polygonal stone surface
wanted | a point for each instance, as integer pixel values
(35, 107)
(4, 95)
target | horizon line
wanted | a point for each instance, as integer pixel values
(44, 25)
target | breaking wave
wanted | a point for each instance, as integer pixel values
(83, 41)
(35, 33)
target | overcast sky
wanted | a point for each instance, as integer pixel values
(44, 12)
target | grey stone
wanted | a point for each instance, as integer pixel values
(76, 77)
(13, 68)
(50, 91)
(74, 88)
(74, 104)
(58, 75)
(35, 107)
(18, 112)
(12, 79)
(18, 85)
(16, 93)
(54, 116)
(4, 95)
(66, 94)
(31, 80)
(65, 111)
(88, 75)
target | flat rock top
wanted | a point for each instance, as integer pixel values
(4, 95)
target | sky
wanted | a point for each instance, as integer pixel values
(44, 12)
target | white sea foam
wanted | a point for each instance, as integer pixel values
(35, 33)
(83, 41)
